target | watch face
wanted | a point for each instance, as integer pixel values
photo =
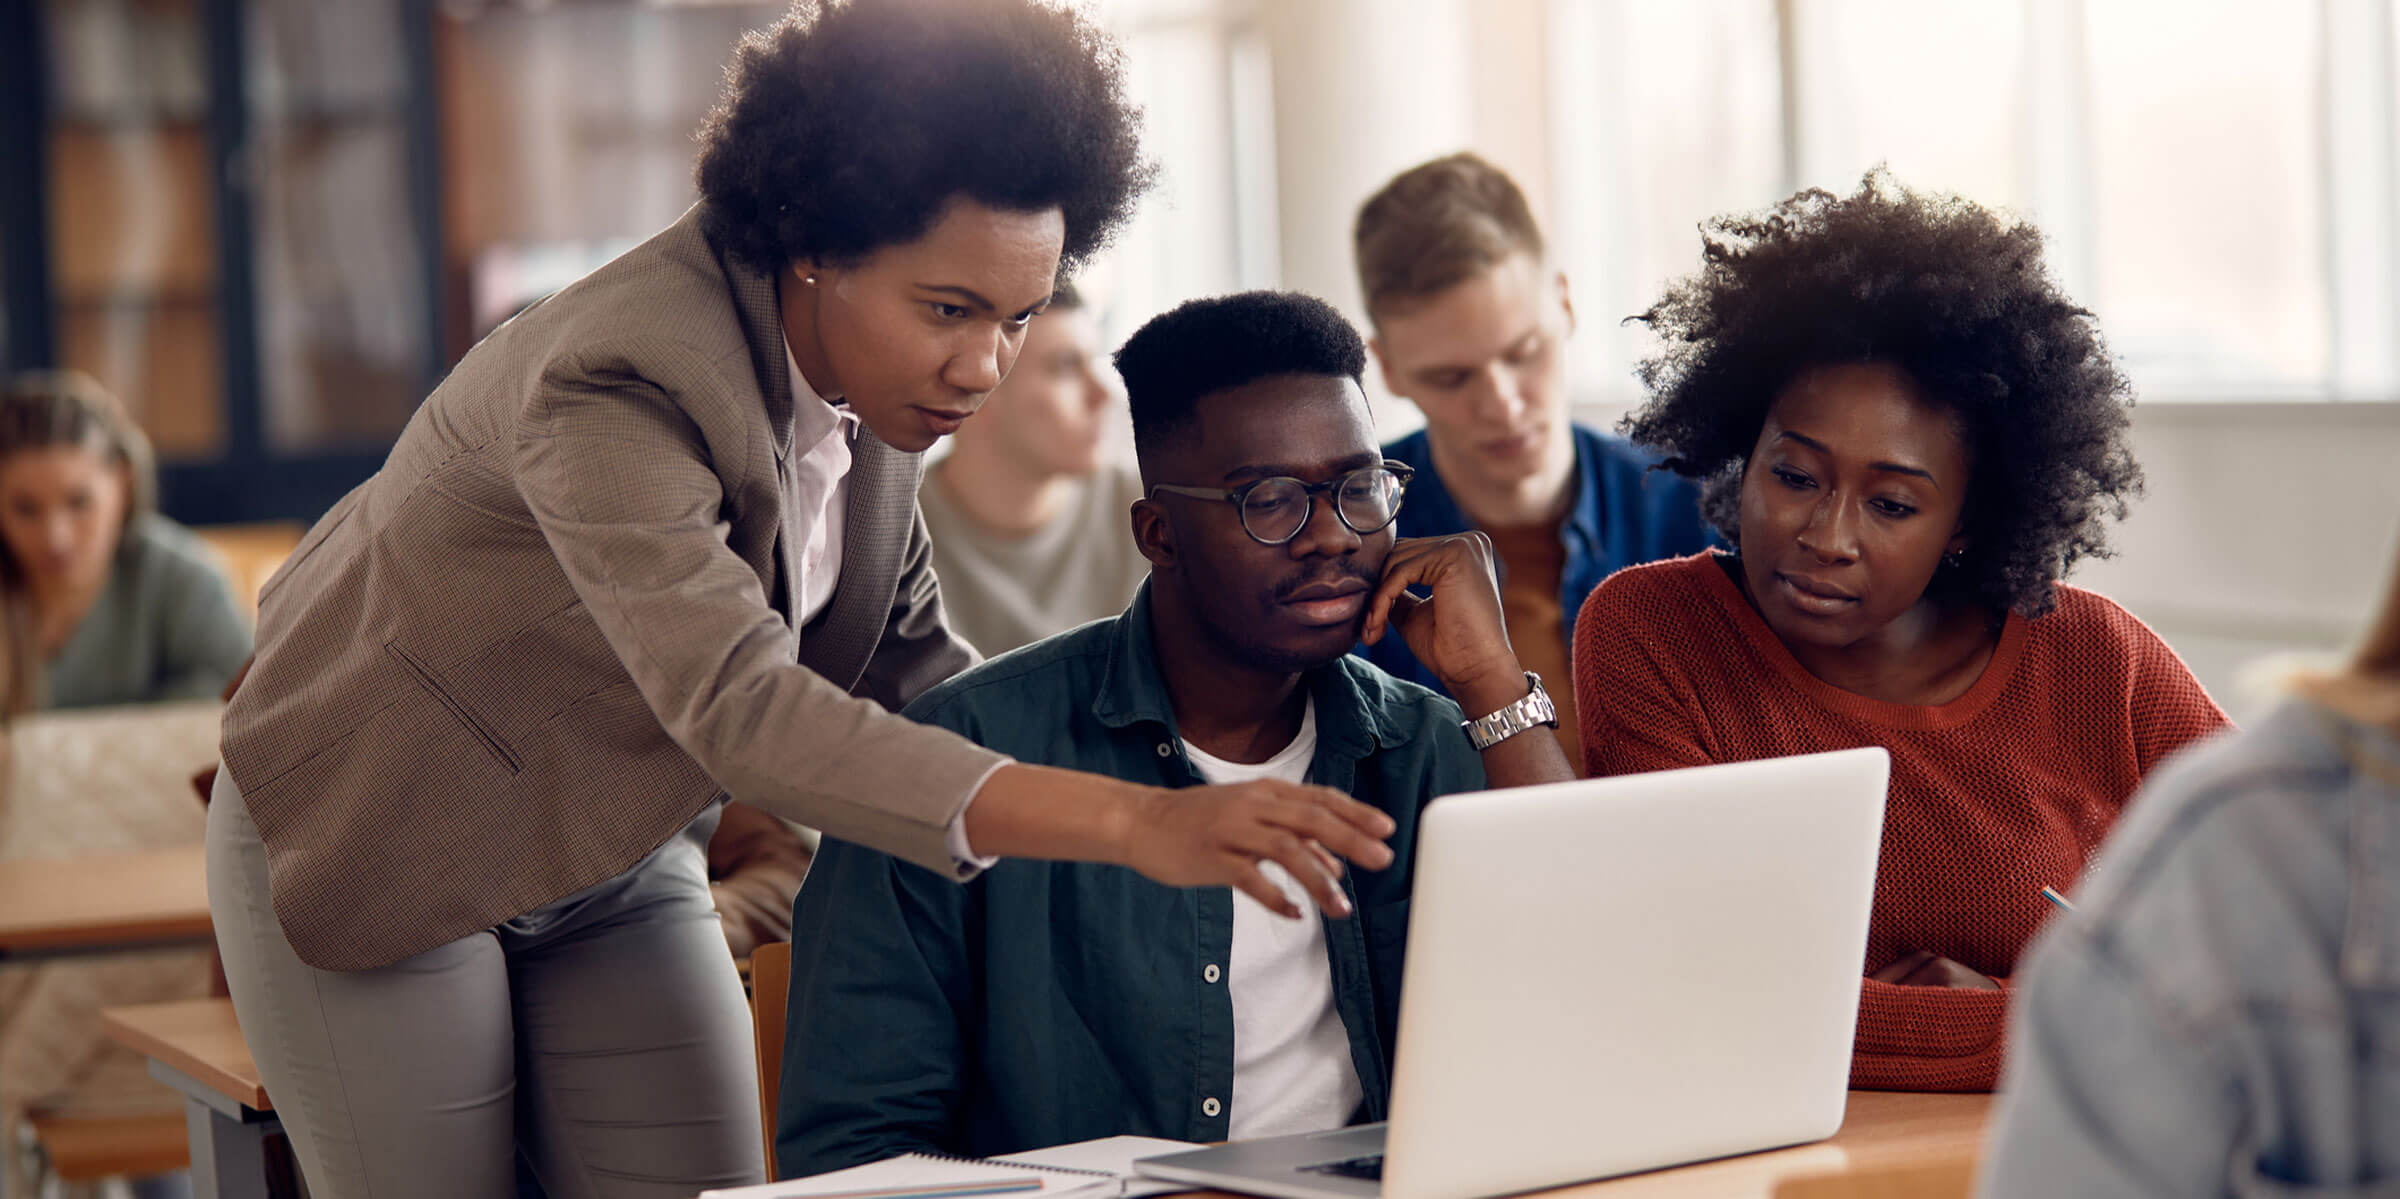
(1537, 706)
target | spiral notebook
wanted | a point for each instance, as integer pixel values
(1100, 1169)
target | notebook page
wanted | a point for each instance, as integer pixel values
(1115, 1155)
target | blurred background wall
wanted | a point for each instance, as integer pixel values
(271, 224)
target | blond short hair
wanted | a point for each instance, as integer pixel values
(1436, 224)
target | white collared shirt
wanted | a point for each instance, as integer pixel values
(820, 488)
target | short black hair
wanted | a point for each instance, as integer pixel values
(1948, 292)
(1210, 345)
(850, 125)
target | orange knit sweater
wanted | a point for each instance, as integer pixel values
(2004, 790)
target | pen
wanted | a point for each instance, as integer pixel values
(2051, 894)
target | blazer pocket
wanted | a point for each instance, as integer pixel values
(432, 684)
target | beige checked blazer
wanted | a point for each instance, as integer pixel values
(557, 624)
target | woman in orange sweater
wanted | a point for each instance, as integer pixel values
(1907, 436)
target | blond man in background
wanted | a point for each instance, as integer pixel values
(1470, 321)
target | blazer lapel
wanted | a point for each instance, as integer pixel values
(878, 520)
(762, 327)
(761, 315)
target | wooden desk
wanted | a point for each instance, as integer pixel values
(196, 1047)
(1881, 1129)
(103, 903)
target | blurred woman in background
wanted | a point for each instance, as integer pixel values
(106, 602)
(103, 602)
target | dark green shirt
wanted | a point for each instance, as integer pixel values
(1047, 1002)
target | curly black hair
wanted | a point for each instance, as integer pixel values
(850, 124)
(1945, 290)
(1201, 347)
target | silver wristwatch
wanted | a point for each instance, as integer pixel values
(1536, 708)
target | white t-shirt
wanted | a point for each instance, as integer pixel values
(1291, 1057)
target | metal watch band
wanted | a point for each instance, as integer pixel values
(1487, 731)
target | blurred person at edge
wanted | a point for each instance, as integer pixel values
(2220, 1013)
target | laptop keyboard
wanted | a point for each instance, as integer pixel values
(1369, 1168)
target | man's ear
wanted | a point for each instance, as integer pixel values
(1153, 534)
(1566, 302)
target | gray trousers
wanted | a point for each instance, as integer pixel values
(604, 1038)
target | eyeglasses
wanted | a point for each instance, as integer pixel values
(1274, 510)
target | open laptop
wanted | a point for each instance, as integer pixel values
(1609, 976)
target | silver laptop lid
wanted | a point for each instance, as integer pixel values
(1617, 974)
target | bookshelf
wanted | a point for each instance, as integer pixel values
(227, 211)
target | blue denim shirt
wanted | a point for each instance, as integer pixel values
(1624, 514)
(2221, 1014)
(1047, 1002)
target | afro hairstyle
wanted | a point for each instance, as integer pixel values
(1952, 294)
(850, 125)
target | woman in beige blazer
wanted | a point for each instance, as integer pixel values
(652, 543)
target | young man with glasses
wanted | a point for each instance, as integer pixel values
(1050, 1002)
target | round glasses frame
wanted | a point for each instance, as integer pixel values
(1239, 497)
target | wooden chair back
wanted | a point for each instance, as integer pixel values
(770, 987)
(89, 1148)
